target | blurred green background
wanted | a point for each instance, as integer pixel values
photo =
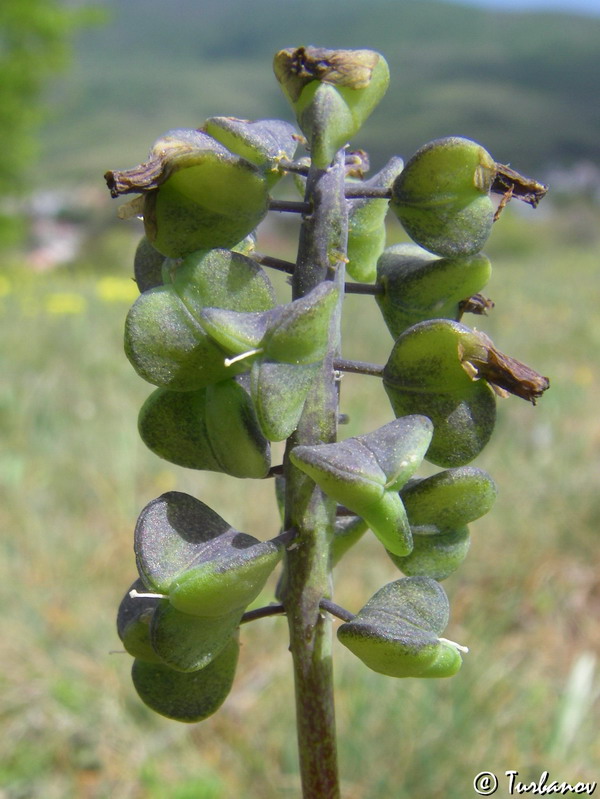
(74, 475)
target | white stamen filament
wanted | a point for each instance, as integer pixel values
(454, 644)
(148, 595)
(249, 354)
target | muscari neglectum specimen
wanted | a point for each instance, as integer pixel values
(234, 371)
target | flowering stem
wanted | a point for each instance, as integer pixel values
(307, 575)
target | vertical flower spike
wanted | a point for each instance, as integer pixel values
(235, 368)
(332, 93)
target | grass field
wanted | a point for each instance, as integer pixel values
(74, 476)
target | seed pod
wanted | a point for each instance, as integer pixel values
(167, 347)
(214, 428)
(189, 697)
(442, 197)
(164, 337)
(133, 623)
(224, 279)
(332, 93)
(365, 473)
(207, 568)
(366, 225)
(435, 553)
(418, 286)
(279, 391)
(397, 632)
(425, 374)
(147, 265)
(284, 348)
(229, 576)
(263, 142)
(189, 643)
(197, 195)
(449, 499)
(298, 332)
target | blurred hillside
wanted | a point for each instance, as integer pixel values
(524, 84)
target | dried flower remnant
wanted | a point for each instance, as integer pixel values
(476, 304)
(510, 183)
(505, 375)
(296, 67)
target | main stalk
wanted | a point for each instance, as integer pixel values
(307, 577)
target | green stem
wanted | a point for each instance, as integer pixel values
(291, 206)
(307, 577)
(358, 191)
(363, 288)
(273, 263)
(359, 367)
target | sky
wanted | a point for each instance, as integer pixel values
(585, 6)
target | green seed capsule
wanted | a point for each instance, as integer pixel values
(188, 643)
(418, 286)
(366, 225)
(196, 194)
(133, 624)
(228, 583)
(263, 142)
(147, 266)
(332, 93)
(212, 429)
(397, 632)
(449, 499)
(436, 553)
(425, 374)
(364, 474)
(442, 197)
(187, 696)
(164, 337)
